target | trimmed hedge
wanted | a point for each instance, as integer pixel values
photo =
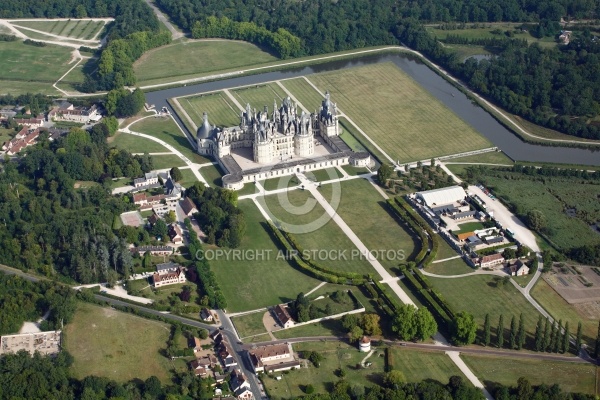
(403, 215)
(389, 360)
(390, 301)
(418, 220)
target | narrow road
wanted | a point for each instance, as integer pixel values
(175, 34)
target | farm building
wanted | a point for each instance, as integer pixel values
(443, 196)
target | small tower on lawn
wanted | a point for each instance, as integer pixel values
(364, 344)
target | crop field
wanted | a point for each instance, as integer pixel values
(558, 308)
(304, 93)
(166, 129)
(252, 282)
(328, 245)
(572, 377)
(31, 69)
(135, 144)
(554, 197)
(95, 340)
(221, 110)
(76, 29)
(260, 96)
(365, 212)
(402, 117)
(480, 295)
(201, 58)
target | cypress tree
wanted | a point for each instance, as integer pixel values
(546, 338)
(597, 349)
(552, 337)
(578, 340)
(521, 333)
(539, 335)
(558, 337)
(486, 330)
(500, 332)
(513, 333)
(565, 339)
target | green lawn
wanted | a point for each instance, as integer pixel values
(260, 96)
(221, 110)
(469, 227)
(212, 174)
(249, 324)
(421, 365)
(136, 144)
(119, 346)
(350, 170)
(476, 33)
(202, 58)
(249, 284)
(144, 288)
(450, 267)
(28, 68)
(558, 308)
(320, 237)
(492, 157)
(77, 29)
(188, 178)
(412, 126)
(167, 161)
(480, 295)
(166, 129)
(329, 288)
(336, 355)
(572, 377)
(357, 141)
(365, 212)
(280, 183)
(322, 175)
(444, 249)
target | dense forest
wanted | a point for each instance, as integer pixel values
(52, 227)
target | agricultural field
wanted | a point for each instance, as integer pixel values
(221, 110)
(482, 294)
(569, 205)
(558, 308)
(411, 127)
(327, 245)
(32, 69)
(249, 284)
(135, 144)
(202, 58)
(260, 96)
(489, 33)
(94, 338)
(166, 129)
(74, 29)
(380, 232)
(572, 377)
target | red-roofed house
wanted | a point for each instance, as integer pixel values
(491, 260)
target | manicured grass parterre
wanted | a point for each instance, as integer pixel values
(402, 117)
(321, 175)
(28, 68)
(450, 267)
(250, 283)
(480, 295)
(350, 170)
(221, 110)
(136, 144)
(365, 212)
(322, 240)
(202, 58)
(249, 324)
(119, 346)
(280, 183)
(304, 93)
(167, 161)
(260, 96)
(166, 129)
(572, 377)
(77, 29)
(558, 308)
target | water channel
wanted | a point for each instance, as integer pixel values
(433, 83)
